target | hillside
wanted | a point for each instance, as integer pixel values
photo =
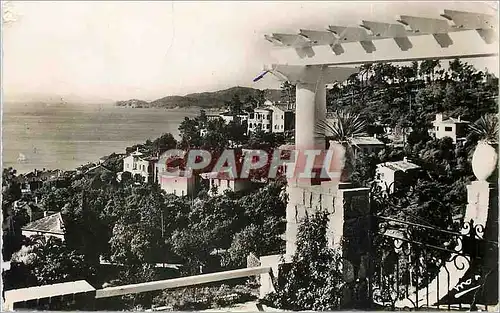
(215, 99)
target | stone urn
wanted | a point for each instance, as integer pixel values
(346, 161)
(484, 161)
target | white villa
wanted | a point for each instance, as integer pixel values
(219, 182)
(271, 118)
(260, 118)
(178, 182)
(455, 128)
(390, 175)
(135, 163)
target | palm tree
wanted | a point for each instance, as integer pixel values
(486, 128)
(343, 128)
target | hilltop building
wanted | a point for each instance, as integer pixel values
(48, 226)
(271, 117)
(260, 118)
(455, 128)
(367, 145)
(179, 182)
(391, 175)
(219, 182)
(137, 164)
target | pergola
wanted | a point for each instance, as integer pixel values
(313, 58)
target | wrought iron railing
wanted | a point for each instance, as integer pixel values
(416, 266)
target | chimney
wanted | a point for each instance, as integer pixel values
(439, 117)
(405, 159)
(459, 118)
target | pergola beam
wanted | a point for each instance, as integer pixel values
(311, 74)
(468, 45)
(442, 30)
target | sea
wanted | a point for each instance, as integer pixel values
(65, 136)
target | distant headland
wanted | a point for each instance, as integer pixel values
(216, 99)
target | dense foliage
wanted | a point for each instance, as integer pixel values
(314, 279)
(137, 226)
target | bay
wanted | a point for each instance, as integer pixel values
(63, 136)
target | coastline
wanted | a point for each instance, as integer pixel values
(175, 109)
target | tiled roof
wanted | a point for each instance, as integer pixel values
(261, 109)
(455, 120)
(283, 107)
(366, 141)
(50, 224)
(400, 165)
(218, 175)
(176, 173)
(136, 153)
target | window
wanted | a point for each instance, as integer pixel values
(267, 126)
(275, 126)
(282, 116)
(437, 127)
(448, 129)
(251, 115)
(281, 126)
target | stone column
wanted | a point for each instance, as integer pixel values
(310, 107)
(305, 114)
(320, 115)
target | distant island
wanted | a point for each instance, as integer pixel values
(216, 99)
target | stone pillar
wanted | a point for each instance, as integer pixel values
(310, 107)
(305, 114)
(349, 232)
(479, 201)
(320, 114)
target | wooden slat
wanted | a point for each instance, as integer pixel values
(181, 282)
(467, 44)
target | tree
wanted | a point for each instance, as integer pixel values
(235, 105)
(53, 262)
(257, 239)
(236, 132)
(314, 280)
(167, 141)
(217, 136)
(190, 134)
(486, 128)
(11, 189)
(288, 93)
(126, 178)
(138, 235)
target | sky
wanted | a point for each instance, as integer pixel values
(147, 50)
